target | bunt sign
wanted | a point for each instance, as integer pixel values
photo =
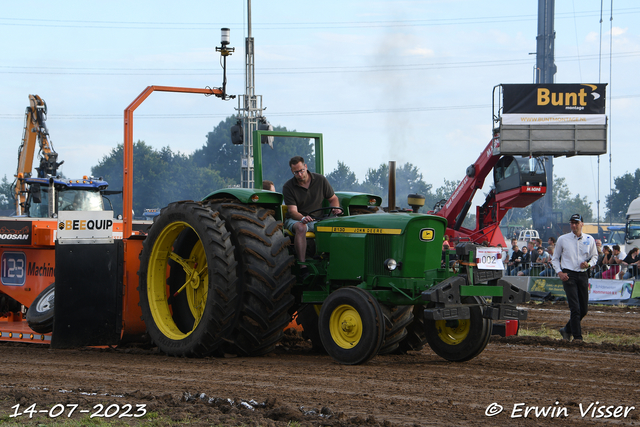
(544, 104)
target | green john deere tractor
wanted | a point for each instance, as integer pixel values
(219, 275)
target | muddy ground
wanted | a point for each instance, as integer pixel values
(576, 384)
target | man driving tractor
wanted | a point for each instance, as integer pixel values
(304, 194)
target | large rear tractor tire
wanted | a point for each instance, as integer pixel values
(40, 313)
(396, 319)
(351, 326)
(265, 277)
(188, 281)
(460, 340)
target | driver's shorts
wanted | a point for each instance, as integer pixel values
(288, 224)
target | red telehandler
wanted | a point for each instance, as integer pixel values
(518, 182)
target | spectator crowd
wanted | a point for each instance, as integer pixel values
(534, 259)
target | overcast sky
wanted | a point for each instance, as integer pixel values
(409, 81)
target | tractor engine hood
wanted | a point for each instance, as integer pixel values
(363, 245)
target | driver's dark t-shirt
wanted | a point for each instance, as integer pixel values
(309, 199)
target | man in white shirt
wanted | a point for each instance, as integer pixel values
(618, 256)
(574, 254)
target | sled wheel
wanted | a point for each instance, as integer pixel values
(40, 313)
(463, 339)
(351, 326)
(396, 320)
(188, 281)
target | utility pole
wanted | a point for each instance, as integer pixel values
(542, 209)
(250, 107)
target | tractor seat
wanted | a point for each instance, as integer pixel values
(287, 232)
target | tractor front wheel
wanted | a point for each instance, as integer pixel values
(463, 339)
(351, 326)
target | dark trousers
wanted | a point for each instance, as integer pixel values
(577, 290)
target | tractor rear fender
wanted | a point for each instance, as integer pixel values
(251, 196)
(247, 195)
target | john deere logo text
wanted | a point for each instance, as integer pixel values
(81, 224)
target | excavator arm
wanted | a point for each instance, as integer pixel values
(35, 132)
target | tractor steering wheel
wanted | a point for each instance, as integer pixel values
(326, 208)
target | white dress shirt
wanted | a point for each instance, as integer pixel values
(571, 251)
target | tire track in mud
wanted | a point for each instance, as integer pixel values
(419, 388)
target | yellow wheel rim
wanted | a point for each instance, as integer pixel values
(453, 335)
(345, 326)
(195, 286)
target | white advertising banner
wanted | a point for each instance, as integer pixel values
(94, 226)
(553, 119)
(600, 290)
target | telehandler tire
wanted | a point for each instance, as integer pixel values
(460, 340)
(351, 326)
(397, 318)
(188, 281)
(264, 273)
(40, 313)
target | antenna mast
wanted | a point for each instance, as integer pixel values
(250, 107)
(542, 209)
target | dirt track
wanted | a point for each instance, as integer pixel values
(415, 389)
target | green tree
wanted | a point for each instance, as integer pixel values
(520, 217)
(6, 194)
(376, 181)
(408, 181)
(159, 177)
(627, 188)
(442, 195)
(220, 154)
(446, 190)
(563, 202)
(568, 205)
(342, 179)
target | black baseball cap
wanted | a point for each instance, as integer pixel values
(576, 218)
